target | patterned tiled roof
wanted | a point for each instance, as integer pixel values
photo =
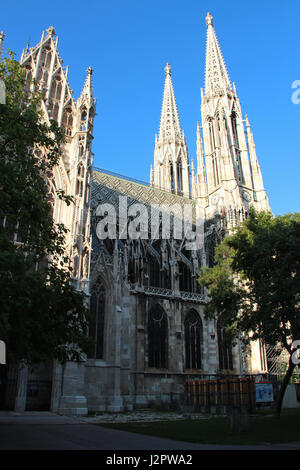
(106, 188)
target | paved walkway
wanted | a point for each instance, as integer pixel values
(46, 431)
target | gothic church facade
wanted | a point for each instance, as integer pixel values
(150, 331)
(148, 324)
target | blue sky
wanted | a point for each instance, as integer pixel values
(128, 43)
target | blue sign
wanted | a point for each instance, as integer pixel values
(264, 392)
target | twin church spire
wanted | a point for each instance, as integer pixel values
(228, 178)
(169, 122)
(171, 165)
(216, 75)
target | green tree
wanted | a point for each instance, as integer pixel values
(255, 284)
(42, 315)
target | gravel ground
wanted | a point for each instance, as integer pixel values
(138, 416)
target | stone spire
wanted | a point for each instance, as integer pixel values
(216, 76)
(229, 178)
(193, 181)
(171, 163)
(87, 90)
(86, 104)
(169, 121)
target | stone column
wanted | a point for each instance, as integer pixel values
(20, 402)
(56, 386)
(115, 400)
(73, 400)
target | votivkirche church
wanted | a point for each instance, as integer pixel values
(148, 324)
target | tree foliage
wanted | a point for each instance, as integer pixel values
(42, 315)
(255, 282)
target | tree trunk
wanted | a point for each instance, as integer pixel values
(283, 387)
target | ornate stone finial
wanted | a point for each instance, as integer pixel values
(51, 31)
(168, 69)
(209, 19)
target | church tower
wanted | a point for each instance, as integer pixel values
(171, 163)
(45, 72)
(229, 179)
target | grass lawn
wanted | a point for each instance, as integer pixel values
(262, 429)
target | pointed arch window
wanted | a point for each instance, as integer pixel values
(237, 147)
(215, 166)
(215, 170)
(83, 120)
(80, 170)
(212, 135)
(157, 338)
(193, 333)
(219, 129)
(185, 279)
(67, 121)
(179, 175)
(155, 274)
(79, 188)
(172, 177)
(224, 346)
(81, 149)
(56, 88)
(48, 57)
(80, 180)
(97, 307)
(234, 128)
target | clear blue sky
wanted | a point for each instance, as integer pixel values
(128, 43)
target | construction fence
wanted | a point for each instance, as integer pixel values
(220, 395)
